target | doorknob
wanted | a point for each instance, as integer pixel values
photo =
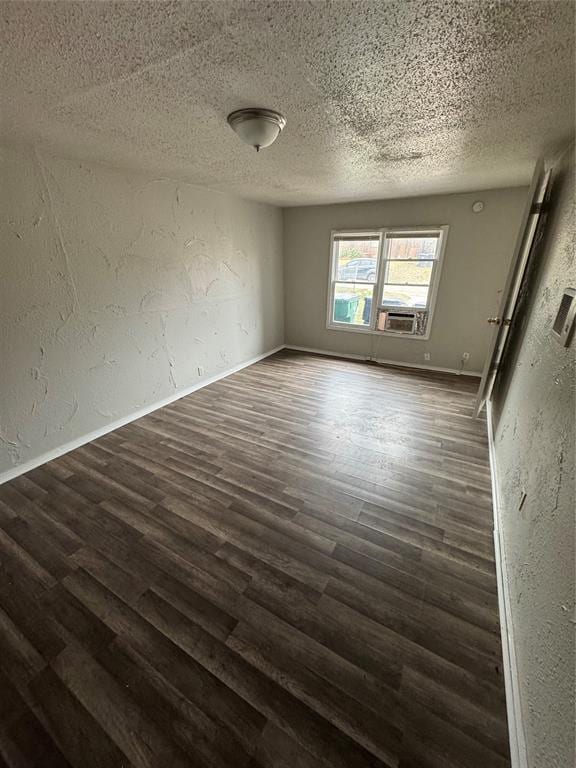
(494, 320)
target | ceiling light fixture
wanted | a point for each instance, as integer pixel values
(257, 127)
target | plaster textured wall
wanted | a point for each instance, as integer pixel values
(115, 287)
(476, 260)
(534, 407)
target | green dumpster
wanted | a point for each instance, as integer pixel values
(345, 307)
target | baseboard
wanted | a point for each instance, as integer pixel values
(518, 750)
(383, 361)
(95, 434)
(325, 352)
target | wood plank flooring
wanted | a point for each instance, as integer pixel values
(292, 567)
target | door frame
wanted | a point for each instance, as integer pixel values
(522, 250)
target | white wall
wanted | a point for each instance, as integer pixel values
(534, 408)
(476, 260)
(114, 288)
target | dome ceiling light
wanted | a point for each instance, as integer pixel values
(258, 127)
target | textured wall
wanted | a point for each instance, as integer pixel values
(534, 408)
(476, 260)
(115, 287)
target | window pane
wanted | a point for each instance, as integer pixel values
(405, 296)
(356, 259)
(416, 272)
(412, 247)
(352, 304)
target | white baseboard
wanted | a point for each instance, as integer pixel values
(383, 361)
(518, 750)
(313, 351)
(20, 469)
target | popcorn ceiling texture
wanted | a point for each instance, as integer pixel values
(383, 99)
(115, 287)
(534, 406)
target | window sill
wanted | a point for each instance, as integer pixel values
(371, 331)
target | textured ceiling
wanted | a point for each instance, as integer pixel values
(383, 99)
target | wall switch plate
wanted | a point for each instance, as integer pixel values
(563, 328)
(426, 355)
(465, 356)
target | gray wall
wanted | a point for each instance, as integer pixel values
(534, 409)
(478, 252)
(115, 288)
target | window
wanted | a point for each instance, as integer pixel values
(355, 260)
(385, 281)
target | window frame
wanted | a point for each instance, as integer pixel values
(385, 234)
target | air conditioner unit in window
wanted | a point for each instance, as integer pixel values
(399, 322)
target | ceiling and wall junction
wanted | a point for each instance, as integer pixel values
(383, 99)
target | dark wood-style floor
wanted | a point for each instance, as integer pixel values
(292, 567)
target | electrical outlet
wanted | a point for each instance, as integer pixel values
(465, 357)
(426, 355)
(200, 371)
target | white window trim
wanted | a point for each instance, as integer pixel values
(378, 286)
